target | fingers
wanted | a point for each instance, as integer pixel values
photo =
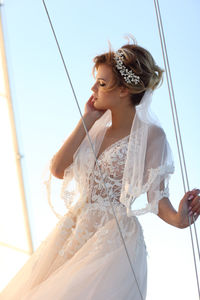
(89, 106)
(194, 207)
(195, 192)
(194, 203)
(90, 100)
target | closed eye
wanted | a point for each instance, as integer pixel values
(101, 81)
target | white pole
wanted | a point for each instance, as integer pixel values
(14, 138)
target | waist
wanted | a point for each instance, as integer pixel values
(106, 205)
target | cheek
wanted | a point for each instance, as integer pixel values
(102, 95)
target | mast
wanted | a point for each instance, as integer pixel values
(6, 103)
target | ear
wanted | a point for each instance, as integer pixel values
(124, 92)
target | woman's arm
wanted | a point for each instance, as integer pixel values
(64, 157)
(189, 203)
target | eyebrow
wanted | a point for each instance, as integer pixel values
(99, 78)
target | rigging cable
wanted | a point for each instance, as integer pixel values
(177, 132)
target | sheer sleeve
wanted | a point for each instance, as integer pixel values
(149, 165)
(158, 167)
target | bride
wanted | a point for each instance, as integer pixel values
(97, 250)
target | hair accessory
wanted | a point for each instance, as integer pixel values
(128, 75)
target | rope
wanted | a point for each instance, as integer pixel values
(92, 147)
(177, 130)
(195, 230)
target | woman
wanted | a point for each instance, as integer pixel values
(97, 250)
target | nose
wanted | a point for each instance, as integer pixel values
(94, 87)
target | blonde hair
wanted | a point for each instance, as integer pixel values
(141, 62)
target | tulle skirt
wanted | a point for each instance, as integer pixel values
(84, 258)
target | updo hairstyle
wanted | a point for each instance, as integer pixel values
(141, 62)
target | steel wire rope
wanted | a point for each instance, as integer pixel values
(177, 130)
(90, 142)
(195, 231)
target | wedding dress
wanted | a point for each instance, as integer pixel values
(84, 258)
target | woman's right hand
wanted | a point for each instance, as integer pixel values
(90, 110)
(64, 157)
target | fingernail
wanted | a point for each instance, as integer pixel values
(190, 197)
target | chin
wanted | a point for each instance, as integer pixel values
(97, 106)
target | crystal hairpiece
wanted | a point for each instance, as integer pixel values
(128, 75)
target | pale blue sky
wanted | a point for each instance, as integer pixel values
(46, 112)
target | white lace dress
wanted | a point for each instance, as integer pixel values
(84, 257)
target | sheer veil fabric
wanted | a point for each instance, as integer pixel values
(148, 166)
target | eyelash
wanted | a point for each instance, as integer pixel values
(102, 84)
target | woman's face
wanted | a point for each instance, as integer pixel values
(103, 98)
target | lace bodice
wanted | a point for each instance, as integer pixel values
(111, 166)
(95, 217)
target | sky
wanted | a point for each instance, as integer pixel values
(46, 113)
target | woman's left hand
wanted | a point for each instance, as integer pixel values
(189, 206)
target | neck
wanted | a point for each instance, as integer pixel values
(122, 119)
